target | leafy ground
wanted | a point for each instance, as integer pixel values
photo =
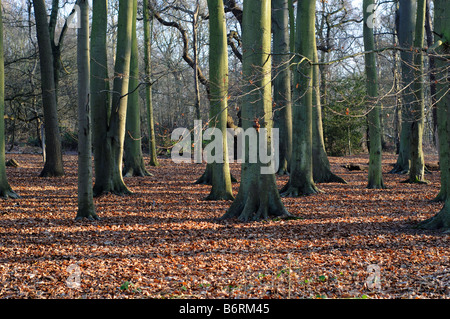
(164, 242)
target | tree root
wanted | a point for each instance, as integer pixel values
(440, 221)
(8, 194)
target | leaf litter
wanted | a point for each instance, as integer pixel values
(165, 240)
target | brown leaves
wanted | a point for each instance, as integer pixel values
(164, 240)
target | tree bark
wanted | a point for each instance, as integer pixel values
(375, 177)
(133, 158)
(258, 197)
(218, 98)
(53, 166)
(301, 181)
(86, 207)
(148, 88)
(282, 82)
(441, 221)
(417, 166)
(100, 99)
(110, 179)
(321, 165)
(5, 189)
(406, 27)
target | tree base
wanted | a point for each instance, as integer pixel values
(328, 177)
(206, 178)
(415, 180)
(256, 205)
(216, 195)
(154, 163)
(8, 194)
(119, 189)
(51, 173)
(88, 216)
(306, 189)
(440, 197)
(441, 221)
(136, 172)
(399, 170)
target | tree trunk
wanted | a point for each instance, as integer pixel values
(53, 165)
(148, 28)
(321, 165)
(442, 36)
(100, 100)
(109, 179)
(218, 98)
(282, 82)
(86, 207)
(258, 197)
(5, 189)
(417, 166)
(301, 180)
(133, 159)
(375, 178)
(406, 26)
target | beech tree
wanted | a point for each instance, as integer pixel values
(301, 180)
(321, 165)
(282, 95)
(133, 158)
(442, 47)
(110, 121)
(218, 98)
(375, 157)
(148, 23)
(258, 196)
(417, 166)
(5, 189)
(53, 165)
(407, 14)
(86, 207)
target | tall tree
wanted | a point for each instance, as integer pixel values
(375, 178)
(417, 166)
(5, 189)
(133, 158)
(110, 179)
(86, 207)
(218, 98)
(405, 30)
(321, 168)
(301, 180)
(442, 46)
(148, 24)
(282, 82)
(100, 100)
(258, 196)
(53, 165)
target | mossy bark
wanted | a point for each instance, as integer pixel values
(258, 197)
(406, 27)
(53, 166)
(218, 99)
(375, 177)
(301, 180)
(86, 208)
(282, 110)
(109, 139)
(5, 189)
(321, 165)
(133, 158)
(148, 88)
(417, 161)
(441, 221)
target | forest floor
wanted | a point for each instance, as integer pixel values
(164, 241)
